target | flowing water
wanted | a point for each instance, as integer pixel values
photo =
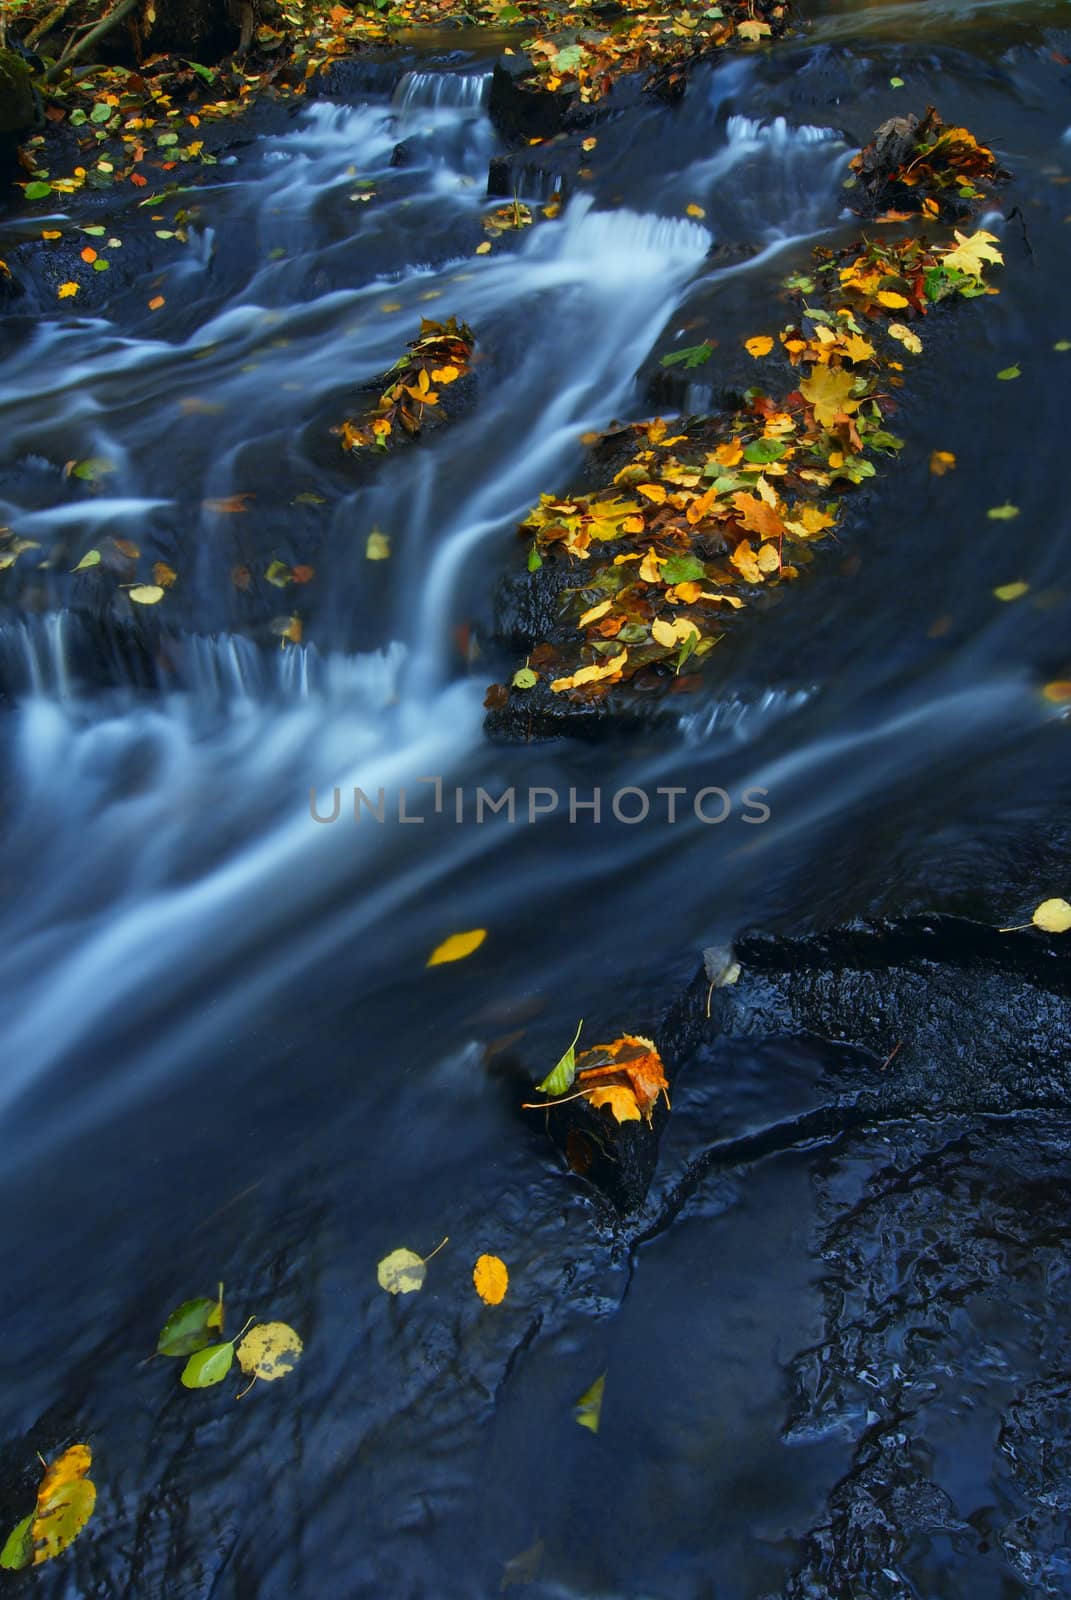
(223, 1056)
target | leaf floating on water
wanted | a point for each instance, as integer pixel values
(971, 254)
(588, 1409)
(163, 575)
(560, 1078)
(1003, 513)
(403, 1271)
(941, 462)
(146, 594)
(903, 334)
(1053, 916)
(1006, 374)
(1058, 693)
(457, 947)
(208, 1366)
(695, 211)
(191, 1326)
(269, 1351)
(1012, 591)
(65, 1501)
(720, 965)
(761, 345)
(378, 546)
(490, 1276)
(90, 559)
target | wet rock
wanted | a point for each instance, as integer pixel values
(354, 77)
(963, 1017)
(520, 110)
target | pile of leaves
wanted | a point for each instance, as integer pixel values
(701, 520)
(923, 168)
(441, 355)
(625, 1078)
(587, 55)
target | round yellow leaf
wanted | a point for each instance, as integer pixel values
(457, 947)
(1053, 916)
(402, 1272)
(695, 211)
(146, 594)
(491, 1277)
(269, 1351)
(761, 345)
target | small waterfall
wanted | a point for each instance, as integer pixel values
(34, 657)
(779, 133)
(440, 91)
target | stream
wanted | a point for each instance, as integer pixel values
(843, 1369)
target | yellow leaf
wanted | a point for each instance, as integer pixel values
(65, 1502)
(482, 249)
(729, 454)
(695, 211)
(633, 525)
(723, 599)
(457, 947)
(768, 559)
(269, 1351)
(856, 348)
(67, 291)
(1058, 692)
(754, 30)
(146, 594)
(588, 145)
(51, 233)
(620, 1099)
(157, 302)
(402, 1272)
(650, 568)
(163, 574)
(491, 1278)
(672, 633)
(761, 345)
(378, 546)
(588, 1408)
(1054, 916)
(942, 461)
(605, 669)
(1011, 591)
(743, 559)
(444, 374)
(894, 301)
(909, 340)
(594, 614)
(652, 491)
(829, 392)
(971, 254)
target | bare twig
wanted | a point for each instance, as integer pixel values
(105, 25)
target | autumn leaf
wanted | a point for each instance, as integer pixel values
(753, 30)
(903, 334)
(457, 947)
(65, 1502)
(378, 546)
(156, 302)
(490, 1276)
(889, 298)
(90, 559)
(594, 614)
(761, 345)
(971, 254)
(146, 594)
(621, 1102)
(668, 633)
(1051, 916)
(67, 291)
(1011, 591)
(1007, 374)
(652, 491)
(830, 393)
(695, 211)
(942, 461)
(403, 1271)
(593, 674)
(163, 575)
(1005, 513)
(269, 1351)
(588, 1409)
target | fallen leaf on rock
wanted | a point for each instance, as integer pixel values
(620, 1100)
(156, 302)
(588, 1409)
(191, 1327)
(270, 1350)
(761, 345)
(490, 1276)
(560, 1078)
(67, 291)
(971, 254)
(1054, 916)
(90, 559)
(903, 334)
(457, 947)
(1058, 692)
(403, 1271)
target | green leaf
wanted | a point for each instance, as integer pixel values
(37, 191)
(525, 678)
(683, 569)
(535, 560)
(190, 1328)
(568, 60)
(896, 83)
(95, 231)
(1003, 513)
(561, 1079)
(1007, 373)
(92, 468)
(77, 118)
(509, 14)
(207, 73)
(884, 441)
(90, 559)
(686, 648)
(166, 139)
(1062, 345)
(588, 1409)
(100, 113)
(694, 356)
(208, 1366)
(101, 264)
(279, 574)
(799, 281)
(764, 450)
(18, 1546)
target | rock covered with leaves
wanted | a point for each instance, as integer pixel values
(412, 397)
(705, 518)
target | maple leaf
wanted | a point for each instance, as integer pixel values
(971, 253)
(829, 392)
(757, 515)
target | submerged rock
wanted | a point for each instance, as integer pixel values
(19, 105)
